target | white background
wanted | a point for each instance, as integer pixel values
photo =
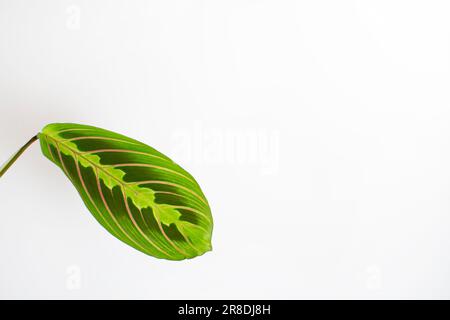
(319, 131)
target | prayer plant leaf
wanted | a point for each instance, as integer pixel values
(135, 192)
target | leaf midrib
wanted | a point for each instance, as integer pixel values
(101, 168)
(95, 165)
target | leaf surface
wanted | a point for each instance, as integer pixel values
(137, 193)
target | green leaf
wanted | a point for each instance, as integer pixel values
(135, 192)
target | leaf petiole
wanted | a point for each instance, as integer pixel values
(13, 159)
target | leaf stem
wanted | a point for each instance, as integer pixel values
(13, 159)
